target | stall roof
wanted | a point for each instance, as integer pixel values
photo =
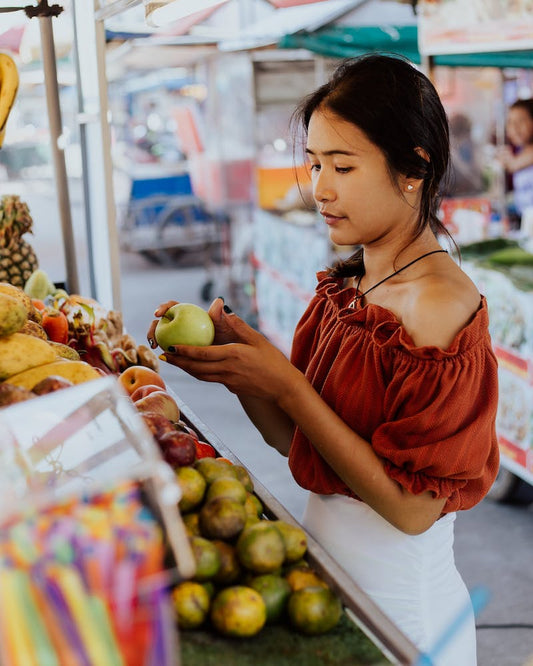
(331, 28)
(345, 41)
(288, 20)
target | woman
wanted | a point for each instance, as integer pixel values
(387, 408)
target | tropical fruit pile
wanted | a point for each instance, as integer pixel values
(30, 363)
(251, 571)
(50, 339)
(94, 332)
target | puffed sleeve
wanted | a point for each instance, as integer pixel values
(439, 432)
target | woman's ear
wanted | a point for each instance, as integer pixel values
(412, 185)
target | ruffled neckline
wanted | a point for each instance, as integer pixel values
(387, 330)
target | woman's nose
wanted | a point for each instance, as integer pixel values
(322, 191)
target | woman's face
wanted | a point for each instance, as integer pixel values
(352, 184)
(519, 127)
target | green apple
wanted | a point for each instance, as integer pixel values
(185, 324)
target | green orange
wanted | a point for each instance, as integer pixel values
(275, 591)
(314, 610)
(260, 547)
(191, 603)
(207, 558)
(238, 611)
(192, 485)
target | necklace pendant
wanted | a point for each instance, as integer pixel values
(357, 296)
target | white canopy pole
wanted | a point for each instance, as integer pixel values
(58, 153)
(104, 253)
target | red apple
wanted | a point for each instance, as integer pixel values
(159, 402)
(178, 448)
(157, 424)
(143, 391)
(183, 426)
(139, 375)
(204, 450)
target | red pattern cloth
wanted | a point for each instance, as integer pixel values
(428, 413)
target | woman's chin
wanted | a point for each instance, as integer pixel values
(342, 240)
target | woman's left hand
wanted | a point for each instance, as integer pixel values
(252, 366)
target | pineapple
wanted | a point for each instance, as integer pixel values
(17, 258)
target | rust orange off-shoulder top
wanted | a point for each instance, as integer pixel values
(428, 413)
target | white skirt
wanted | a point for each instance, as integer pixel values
(413, 579)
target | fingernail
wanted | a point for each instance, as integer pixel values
(221, 298)
(171, 349)
(227, 309)
(162, 357)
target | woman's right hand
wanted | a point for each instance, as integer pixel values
(244, 361)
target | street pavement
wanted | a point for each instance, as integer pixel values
(494, 542)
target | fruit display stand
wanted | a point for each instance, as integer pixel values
(62, 452)
(364, 635)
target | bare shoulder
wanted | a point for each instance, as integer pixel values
(439, 307)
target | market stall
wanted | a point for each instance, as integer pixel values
(97, 534)
(94, 533)
(281, 293)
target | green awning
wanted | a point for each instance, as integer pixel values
(348, 42)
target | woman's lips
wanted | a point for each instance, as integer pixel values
(331, 219)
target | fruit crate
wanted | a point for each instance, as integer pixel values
(364, 636)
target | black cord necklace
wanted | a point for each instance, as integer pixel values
(352, 304)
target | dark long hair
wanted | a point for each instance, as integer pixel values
(399, 110)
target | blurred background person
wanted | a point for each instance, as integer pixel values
(466, 174)
(517, 157)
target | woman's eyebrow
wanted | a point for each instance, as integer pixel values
(335, 151)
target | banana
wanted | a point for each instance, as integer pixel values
(9, 83)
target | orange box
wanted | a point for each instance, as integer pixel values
(273, 184)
